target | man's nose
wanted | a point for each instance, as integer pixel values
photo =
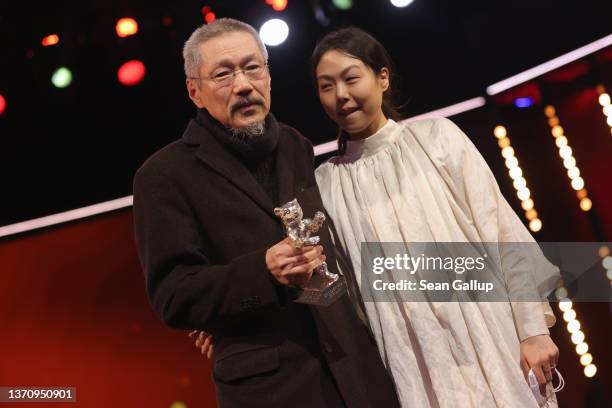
(242, 85)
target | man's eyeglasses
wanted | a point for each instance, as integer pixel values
(252, 71)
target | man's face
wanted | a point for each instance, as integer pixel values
(242, 101)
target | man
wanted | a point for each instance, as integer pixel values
(213, 250)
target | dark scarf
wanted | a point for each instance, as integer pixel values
(257, 153)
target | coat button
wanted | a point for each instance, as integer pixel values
(327, 347)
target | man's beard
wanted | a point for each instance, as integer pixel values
(250, 131)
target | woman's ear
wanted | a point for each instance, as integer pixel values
(383, 78)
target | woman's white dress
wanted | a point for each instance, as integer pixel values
(424, 182)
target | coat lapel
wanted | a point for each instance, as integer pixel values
(226, 164)
(285, 170)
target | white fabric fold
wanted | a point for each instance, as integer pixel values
(426, 182)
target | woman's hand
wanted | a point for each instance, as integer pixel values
(540, 354)
(203, 342)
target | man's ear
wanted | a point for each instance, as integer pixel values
(383, 77)
(192, 90)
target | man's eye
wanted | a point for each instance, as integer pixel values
(252, 68)
(222, 75)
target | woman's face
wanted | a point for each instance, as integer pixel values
(351, 93)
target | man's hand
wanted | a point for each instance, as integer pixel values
(293, 266)
(540, 354)
(203, 342)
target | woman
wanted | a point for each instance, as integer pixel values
(426, 182)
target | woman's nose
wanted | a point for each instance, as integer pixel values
(341, 93)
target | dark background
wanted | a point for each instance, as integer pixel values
(65, 148)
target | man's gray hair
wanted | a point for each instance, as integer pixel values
(191, 52)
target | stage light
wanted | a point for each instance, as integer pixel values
(527, 204)
(167, 21)
(569, 162)
(561, 141)
(586, 204)
(564, 305)
(274, 32)
(577, 337)
(523, 102)
(586, 359)
(531, 214)
(535, 225)
(569, 315)
(549, 111)
(209, 15)
(131, 73)
(126, 26)
(2, 104)
(573, 326)
(62, 77)
(519, 183)
(582, 193)
(557, 131)
(577, 183)
(401, 3)
(503, 142)
(515, 173)
(49, 40)
(590, 370)
(343, 4)
(604, 99)
(500, 132)
(573, 172)
(607, 262)
(582, 348)
(603, 252)
(523, 194)
(507, 152)
(565, 152)
(279, 5)
(511, 162)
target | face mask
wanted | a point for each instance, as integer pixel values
(535, 387)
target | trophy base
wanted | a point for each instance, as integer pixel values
(319, 293)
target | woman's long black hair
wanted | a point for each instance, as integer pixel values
(357, 43)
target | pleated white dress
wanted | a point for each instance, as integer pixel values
(424, 182)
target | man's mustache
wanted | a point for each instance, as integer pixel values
(245, 102)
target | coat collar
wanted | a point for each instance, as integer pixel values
(220, 159)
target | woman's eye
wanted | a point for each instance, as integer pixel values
(352, 79)
(326, 87)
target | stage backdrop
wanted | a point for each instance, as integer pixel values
(73, 312)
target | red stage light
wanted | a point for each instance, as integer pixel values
(126, 26)
(279, 5)
(2, 104)
(131, 73)
(209, 17)
(49, 40)
(167, 20)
